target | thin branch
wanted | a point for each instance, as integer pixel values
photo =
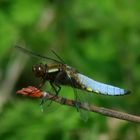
(36, 93)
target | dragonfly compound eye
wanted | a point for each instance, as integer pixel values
(39, 70)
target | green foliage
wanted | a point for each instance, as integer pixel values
(99, 38)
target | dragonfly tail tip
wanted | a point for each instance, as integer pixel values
(127, 92)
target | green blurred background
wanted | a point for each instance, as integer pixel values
(100, 38)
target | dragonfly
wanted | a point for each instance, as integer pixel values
(60, 74)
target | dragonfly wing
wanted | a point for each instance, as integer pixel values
(79, 97)
(101, 88)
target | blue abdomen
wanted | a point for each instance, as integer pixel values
(101, 88)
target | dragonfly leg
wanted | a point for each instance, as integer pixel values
(77, 105)
(42, 82)
(42, 101)
(59, 88)
(56, 90)
(63, 100)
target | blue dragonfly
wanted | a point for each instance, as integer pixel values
(60, 74)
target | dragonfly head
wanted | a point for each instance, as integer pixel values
(39, 69)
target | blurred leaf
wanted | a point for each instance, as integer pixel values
(7, 34)
(25, 12)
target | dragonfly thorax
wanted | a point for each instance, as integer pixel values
(39, 69)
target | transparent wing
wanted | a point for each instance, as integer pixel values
(81, 98)
(29, 52)
(101, 88)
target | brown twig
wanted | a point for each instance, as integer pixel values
(34, 92)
